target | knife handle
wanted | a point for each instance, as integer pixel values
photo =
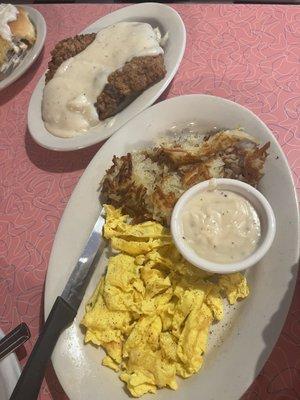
(29, 383)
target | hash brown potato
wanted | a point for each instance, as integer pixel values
(146, 184)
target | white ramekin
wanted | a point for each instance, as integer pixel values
(258, 201)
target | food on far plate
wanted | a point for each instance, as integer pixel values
(17, 35)
(146, 184)
(152, 311)
(92, 77)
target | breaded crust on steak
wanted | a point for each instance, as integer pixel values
(147, 184)
(66, 49)
(124, 85)
(128, 83)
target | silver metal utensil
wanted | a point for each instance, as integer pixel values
(61, 316)
(13, 61)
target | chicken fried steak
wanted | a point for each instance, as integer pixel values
(128, 83)
(124, 85)
(66, 49)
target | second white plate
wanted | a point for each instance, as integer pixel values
(157, 15)
(240, 344)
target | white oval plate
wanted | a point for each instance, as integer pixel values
(10, 371)
(237, 351)
(168, 20)
(33, 53)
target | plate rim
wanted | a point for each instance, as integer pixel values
(21, 69)
(35, 123)
(47, 306)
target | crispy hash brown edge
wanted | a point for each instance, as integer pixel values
(120, 188)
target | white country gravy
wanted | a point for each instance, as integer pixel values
(220, 226)
(68, 101)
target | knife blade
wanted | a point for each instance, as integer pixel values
(60, 317)
(80, 276)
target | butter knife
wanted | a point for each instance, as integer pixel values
(61, 316)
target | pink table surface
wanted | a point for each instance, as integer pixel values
(244, 53)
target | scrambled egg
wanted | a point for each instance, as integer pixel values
(152, 311)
